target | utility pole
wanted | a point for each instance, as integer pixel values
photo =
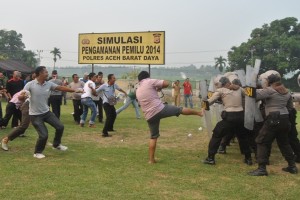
(39, 54)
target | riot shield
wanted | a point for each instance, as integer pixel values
(216, 108)
(251, 109)
(242, 76)
(207, 114)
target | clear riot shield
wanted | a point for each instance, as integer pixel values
(207, 114)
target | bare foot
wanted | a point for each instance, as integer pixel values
(152, 161)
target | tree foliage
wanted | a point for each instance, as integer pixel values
(220, 63)
(277, 44)
(12, 47)
(56, 53)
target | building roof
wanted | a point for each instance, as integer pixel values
(14, 65)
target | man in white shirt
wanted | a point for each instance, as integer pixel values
(87, 101)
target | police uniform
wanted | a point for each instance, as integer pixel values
(232, 120)
(277, 125)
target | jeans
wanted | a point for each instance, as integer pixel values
(88, 103)
(38, 122)
(127, 103)
(188, 97)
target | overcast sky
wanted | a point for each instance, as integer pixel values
(197, 31)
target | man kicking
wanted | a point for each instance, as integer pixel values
(154, 109)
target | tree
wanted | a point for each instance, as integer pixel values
(277, 44)
(29, 58)
(56, 53)
(220, 63)
(12, 47)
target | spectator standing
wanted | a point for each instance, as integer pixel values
(55, 98)
(85, 77)
(188, 93)
(176, 87)
(2, 91)
(76, 98)
(14, 85)
(64, 94)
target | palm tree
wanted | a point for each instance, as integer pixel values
(56, 53)
(220, 63)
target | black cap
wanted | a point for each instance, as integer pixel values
(54, 72)
(224, 81)
(273, 79)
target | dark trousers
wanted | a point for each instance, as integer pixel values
(64, 97)
(24, 123)
(267, 135)
(100, 110)
(293, 133)
(78, 109)
(111, 115)
(38, 122)
(55, 103)
(232, 123)
(10, 111)
(253, 134)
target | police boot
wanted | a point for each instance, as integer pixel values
(260, 171)
(222, 149)
(210, 160)
(248, 161)
(291, 169)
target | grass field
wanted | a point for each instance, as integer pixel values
(117, 167)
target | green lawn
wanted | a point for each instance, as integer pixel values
(117, 167)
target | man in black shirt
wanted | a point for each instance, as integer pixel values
(14, 85)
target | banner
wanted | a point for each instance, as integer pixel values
(122, 48)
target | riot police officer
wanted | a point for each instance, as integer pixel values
(276, 125)
(232, 120)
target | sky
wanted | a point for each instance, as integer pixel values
(196, 31)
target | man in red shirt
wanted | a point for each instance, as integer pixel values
(188, 92)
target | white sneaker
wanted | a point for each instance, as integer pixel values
(61, 147)
(4, 144)
(39, 155)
